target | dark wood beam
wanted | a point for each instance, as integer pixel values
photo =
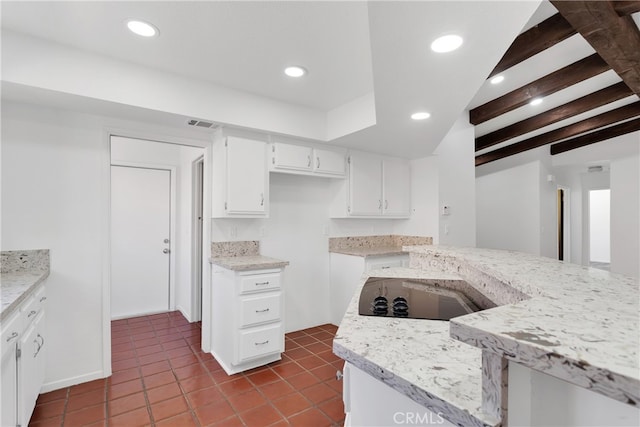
(615, 38)
(592, 123)
(544, 35)
(597, 136)
(625, 7)
(570, 109)
(551, 83)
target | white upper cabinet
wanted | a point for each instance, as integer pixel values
(329, 162)
(305, 160)
(291, 157)
(365, 180)
(240, 178)
(377, 187)
(396, 187)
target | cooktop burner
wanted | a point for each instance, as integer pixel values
(412, 299)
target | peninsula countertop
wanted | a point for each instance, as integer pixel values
(575, 323)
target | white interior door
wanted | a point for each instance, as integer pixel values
(140, 230)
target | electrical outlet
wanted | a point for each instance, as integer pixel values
(262, 231)
(446, 229)
(233, 232)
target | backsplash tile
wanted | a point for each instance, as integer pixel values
(12, 261)
(231, 249)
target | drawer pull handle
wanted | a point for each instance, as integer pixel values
(262, 283)
(43, 299)
(262, 311)
(31, 313)
(261, 343)
(12, 336)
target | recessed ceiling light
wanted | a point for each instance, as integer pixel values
(142, 28)
(295, 71)
(422, 115)
(536, 101)
(446, 43)
(496, 80)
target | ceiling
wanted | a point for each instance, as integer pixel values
(351, 49)
(560, 117)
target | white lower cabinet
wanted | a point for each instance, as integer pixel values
(368, 402)
(23, 360)
(247, 325)
(346, 274)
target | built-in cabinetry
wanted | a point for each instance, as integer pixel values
(370, 402)
(346, 275)
(300, 159)
(247, 327)
(23, 359)
(240, 178)
(376, 187)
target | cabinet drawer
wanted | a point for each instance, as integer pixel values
(260, 309)
(30, 311)
(260, 342)
(259, 282)
(11, 330)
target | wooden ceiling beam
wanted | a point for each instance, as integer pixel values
(570, 109)
(592, 123)
(597, 136)
(626, 7)
(533, 41)
(615, 38)
(551, 83)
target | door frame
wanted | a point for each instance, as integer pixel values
(198, 247)
(105, 208)
(172, 220)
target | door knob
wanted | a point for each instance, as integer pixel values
(165, 251)
(166, 240)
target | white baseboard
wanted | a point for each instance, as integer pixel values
(68, 382)
(185, 313)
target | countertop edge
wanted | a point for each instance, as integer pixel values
(246, 263)
(370, 252)
(8, 311)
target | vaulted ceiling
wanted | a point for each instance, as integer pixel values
(592, 96)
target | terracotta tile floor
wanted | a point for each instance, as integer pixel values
(162, 378)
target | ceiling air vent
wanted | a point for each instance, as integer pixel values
(202, 124)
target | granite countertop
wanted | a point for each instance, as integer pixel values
(578, 324)
(416, 357)
(249, 262)
(22, 272)
(575, 323)
(371, 251)
(371, 246)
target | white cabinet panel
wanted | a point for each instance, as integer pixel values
(329, 162)
(291, 157)
(365, 178)
(11, 330)
(259, 282)
(246, 172)
(260, 309)
(240, 185)
(396, 187)
(260, 342)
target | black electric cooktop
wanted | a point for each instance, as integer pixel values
(386, 297)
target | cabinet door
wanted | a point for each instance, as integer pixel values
(291, 157)
(396, 187)
(328, 162)
(247, 177)
(365, 181)
(9, 386)
(30, 346)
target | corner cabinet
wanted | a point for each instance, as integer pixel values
(247, 327)
(376, 187)
(23, 360)
(304, 160)
(240, 178)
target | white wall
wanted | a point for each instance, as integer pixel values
(145, 152)
(55, 174)
(456, 184)
(625, 210)
(508, 208)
